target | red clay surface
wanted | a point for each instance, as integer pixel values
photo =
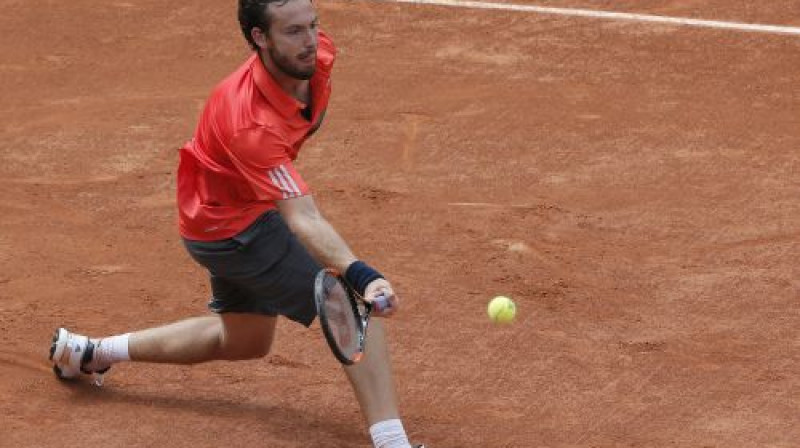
(633, 187)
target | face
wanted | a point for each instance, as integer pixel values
(291, 43)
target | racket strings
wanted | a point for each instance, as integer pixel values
(341, 319)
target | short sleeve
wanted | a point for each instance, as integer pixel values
(262, 156)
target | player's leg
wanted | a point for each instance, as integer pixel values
(245, 322)
(242, 329)
(371, 378)
(373, 385)
(228, 336)
(289, 284)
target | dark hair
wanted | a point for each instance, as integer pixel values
(253, 14)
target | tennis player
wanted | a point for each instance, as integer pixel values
(249, 218)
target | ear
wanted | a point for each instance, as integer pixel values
(259, 37)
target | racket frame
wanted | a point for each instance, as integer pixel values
(361, 318)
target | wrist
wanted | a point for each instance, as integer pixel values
(359, 275)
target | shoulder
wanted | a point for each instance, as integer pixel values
(237, 79)
(230, 88)
(260, 146)
(260, 137)
(230, 102)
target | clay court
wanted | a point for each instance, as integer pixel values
(634, 187)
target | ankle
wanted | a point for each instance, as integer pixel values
(389, 434)
(108, 351)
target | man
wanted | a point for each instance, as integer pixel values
(248, 217)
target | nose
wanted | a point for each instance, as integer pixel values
(310, 39)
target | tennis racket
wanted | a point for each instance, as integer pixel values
(344, 315)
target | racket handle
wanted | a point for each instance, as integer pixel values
(381, 303)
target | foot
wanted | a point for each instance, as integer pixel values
(72, 354)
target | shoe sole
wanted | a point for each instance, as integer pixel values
(57, 347)
(54, 345)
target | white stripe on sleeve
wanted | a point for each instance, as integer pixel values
(283, 180)
(291, 181)
(287, 189)
(276, 182)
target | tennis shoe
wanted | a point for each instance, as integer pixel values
(72, 354)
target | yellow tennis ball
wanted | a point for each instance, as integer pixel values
(502, 310)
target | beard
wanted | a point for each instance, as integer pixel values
(285, 64)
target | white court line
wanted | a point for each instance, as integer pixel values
(773, 29)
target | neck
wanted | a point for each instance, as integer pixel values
(293, 86)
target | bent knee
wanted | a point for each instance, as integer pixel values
(244, 352)
(246, 336)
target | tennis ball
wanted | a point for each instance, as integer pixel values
(501, 310)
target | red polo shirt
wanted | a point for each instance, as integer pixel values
(240, 159)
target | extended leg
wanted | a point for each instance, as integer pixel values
(372, 378)
(372, 382)
(228, 336)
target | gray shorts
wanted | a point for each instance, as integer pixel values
(263, 270)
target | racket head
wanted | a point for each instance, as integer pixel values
(339, 316)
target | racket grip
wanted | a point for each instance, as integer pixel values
(381, 303)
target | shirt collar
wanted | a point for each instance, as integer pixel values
(284, 103)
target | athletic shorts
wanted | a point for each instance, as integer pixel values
(263, 270)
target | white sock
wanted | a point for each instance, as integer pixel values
(110, 350)
(389, 434)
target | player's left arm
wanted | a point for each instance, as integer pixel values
(329, 248)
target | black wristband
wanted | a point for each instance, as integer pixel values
(359, 275)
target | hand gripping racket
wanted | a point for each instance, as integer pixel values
(344, 315)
